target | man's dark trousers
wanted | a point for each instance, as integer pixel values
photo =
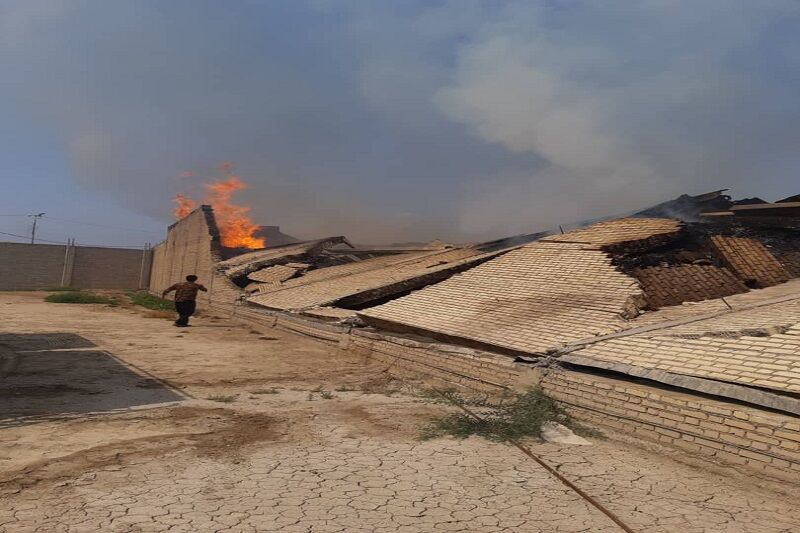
(185, 309)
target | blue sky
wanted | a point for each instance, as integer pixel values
(391, 121)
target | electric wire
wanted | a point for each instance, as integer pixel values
(28, 237)
(555, 473)
(72, 221)
(100, 225)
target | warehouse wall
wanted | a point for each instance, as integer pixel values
(42, 266)
(192, 246)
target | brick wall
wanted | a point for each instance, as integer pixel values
(750, 260)
(42, 266)
(192, 247)
(674, 285)
(448, 364)
(104, 268)
(730, 433)
(30, 266)
(733, 434)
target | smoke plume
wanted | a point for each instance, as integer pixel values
(399, 121)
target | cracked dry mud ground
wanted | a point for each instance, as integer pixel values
(280, 457)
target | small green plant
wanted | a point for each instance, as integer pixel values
(520, 417)
(326, 395)
(310, 396)
(271, 390)
(344, 388)
(222, 398)
(149, 301)
(77, 298)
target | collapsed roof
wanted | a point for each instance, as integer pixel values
(244, 264)
(537, 298)
(358, 283)
(586, 298)
(694, 293)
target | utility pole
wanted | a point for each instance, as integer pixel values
(33, 231)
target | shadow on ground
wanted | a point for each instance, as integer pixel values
(55, 375)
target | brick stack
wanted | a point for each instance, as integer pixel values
(750, 260)
(673, 285)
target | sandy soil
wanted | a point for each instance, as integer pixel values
(112, 421)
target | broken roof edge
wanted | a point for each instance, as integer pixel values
(410, 283)
(750, 395)
(240, 265)
(381, 325)
(614, 234)
(411, 257)
(509, 243)
(759, 207)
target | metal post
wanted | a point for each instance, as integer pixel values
(69, 262)
(141, 266)
(33, 231)
(146, 266)
(64, 270)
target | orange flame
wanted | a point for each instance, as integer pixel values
(235, 227)
(184, 207)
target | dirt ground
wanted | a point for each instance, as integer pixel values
(112, 421)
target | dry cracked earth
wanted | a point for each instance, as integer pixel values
(115, 422)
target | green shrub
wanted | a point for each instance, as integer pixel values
(145, 299)
(76, 297)
(522, 417)
(223, 398)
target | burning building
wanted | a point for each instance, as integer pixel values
(679, 324)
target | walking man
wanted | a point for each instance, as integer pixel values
(185, 299)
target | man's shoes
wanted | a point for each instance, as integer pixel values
(181, 325)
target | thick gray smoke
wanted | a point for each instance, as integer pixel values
(397, 121)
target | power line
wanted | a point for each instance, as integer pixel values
(79, 244)
(92, 224)
(101, 225)
(27, 237)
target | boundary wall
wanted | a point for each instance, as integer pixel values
(43, 266)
